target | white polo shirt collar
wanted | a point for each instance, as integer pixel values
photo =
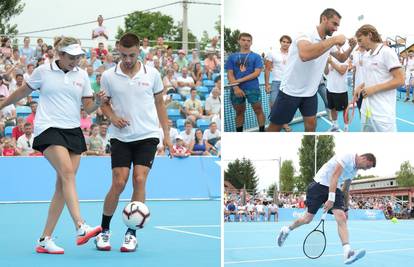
(119, 71)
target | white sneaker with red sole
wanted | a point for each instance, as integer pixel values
(102, 241)
(130, 243)
(85, 232)
(48, 246)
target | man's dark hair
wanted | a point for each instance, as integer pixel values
(129, 40)
(370, 157)
(245, 34)
(329, 13)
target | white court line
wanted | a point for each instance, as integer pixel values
(409, 122)
(330, 243)
(330, 123)
(378, 231)
(323, 256)
(171, 228)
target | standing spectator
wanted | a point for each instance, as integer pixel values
(38, 50)
(100, 34)
(409, 70)
(6, 49)
(145, 48)
(213, 45)
(101, 52)
(25, 142)
(26, 51)
(160, 44)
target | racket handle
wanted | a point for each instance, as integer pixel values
(324, 215)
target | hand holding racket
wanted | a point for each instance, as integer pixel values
(315, 242)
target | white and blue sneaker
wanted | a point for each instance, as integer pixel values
(102, 241)
(47, 245)
(284, 232)
(354, 255)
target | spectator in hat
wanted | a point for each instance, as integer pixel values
(211, 63)
(181, 60)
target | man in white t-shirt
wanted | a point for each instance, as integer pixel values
(325, 189)
(188, 135)
(185, 83)
(337, 90)
(136, 109)
(213, 103)
(276, 61)
(25, 142)
(306, 61)
(212, 135)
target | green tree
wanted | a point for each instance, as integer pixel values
(177, 35)
(286, 176)
(240, 173)
(9, 9)
(271, 189)
(149, 24)
(300, 183)
(205, 39)
(325, 150)
(231, 38)
(217, 25)
(405, 176)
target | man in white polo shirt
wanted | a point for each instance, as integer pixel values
(135, 109)
(325, 189)
(307, 58)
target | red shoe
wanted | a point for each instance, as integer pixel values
(85, 232)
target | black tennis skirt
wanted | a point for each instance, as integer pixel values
(72, 139)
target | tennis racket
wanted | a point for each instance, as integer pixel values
(315, 242)
(348, 119)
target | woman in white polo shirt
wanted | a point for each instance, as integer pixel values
(382, 75)
(64, 88)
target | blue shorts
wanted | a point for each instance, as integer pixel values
(252, 95)
(274, 91)
(285, 107)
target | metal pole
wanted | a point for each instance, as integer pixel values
(185, 26)
(316, 156)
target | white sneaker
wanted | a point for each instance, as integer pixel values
(102, 241)
(334, 128)
(354, 255)
(130, 243)
(346, 128)
(284, 232)
(48, 246)
(85, 232)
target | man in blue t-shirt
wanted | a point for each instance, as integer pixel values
(243, 68)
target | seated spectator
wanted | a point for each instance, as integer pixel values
(25, 142)
(213, 103)
(29, 71)
(199, 146)
(185, 83)
(212, 135)
(6, 49)
(49, 56)
(173, 131)
(177, 74)
(86, 121)
(101, 52)
(181, 60)
(193, 107)
(272, 209)
(103, 134)
(149, 59)
(194, 58)
(18, 130)
(188, 134)
(179, 149)
(211, 64)
(109, 62)
(251, 211)
(197, 74)
(170, 83)
(94, 142)
(8, 114)
(4, 91)
(260, 210)
(96, 83)
(27, 52)
(231, 209)
(17, 84)
(8, 149)
(94, 60)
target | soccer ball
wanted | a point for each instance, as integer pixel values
(135, 215)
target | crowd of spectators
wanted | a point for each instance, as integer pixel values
(191, 93)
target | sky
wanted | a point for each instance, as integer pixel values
(264, 148)
(200, 17)
(267, 20)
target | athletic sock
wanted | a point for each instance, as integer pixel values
(41, 239)
(106, 220)
(346, 248)
(239, 129)
(261, 128)
(335, 123)
(131, 231)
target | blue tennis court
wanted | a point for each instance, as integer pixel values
(254, 244)
(179, 233)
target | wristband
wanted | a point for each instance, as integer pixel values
(331, 196)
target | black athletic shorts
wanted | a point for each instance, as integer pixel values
(317, 195)
(141, 152)
(337, 101)
(72, 139)
(285, 107)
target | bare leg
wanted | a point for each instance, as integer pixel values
(305, 219)
(139, 181)
(310, 123)
(119, 180)
(342, 225)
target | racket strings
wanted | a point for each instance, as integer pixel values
(314, 244)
